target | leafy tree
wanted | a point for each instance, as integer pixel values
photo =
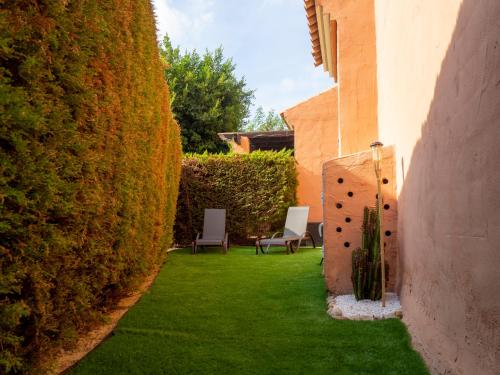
(206, 96)
(262, 121)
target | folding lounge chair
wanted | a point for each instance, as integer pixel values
(295, 230)
(214, 230)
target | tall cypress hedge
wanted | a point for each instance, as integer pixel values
(89, 166)
(255, 189)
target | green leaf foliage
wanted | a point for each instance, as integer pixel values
(207, 97)
(264, 122)
(89, 167)
(256, 190)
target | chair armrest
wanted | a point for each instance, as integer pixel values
(267, 237)
(197, 236)
(275, 234)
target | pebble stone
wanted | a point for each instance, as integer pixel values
(346, 307)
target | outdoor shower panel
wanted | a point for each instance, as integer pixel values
(350, 185)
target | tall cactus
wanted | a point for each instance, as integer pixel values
(366, 270)
(359, 272)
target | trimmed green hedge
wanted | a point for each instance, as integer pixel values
(89, 167)
(256, 190)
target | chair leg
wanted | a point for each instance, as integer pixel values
(257, 247)
(267, 248)
(193, 247)
(298, 245)
(312, 239)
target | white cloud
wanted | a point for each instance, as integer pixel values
(183, 23)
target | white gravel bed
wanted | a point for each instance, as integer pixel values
(346, 307)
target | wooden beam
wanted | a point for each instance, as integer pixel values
(328, 44)
(321, 31)
(334, 48)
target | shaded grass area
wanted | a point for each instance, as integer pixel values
(247, 314)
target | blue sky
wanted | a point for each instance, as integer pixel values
(267, 39)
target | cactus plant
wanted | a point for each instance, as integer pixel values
(366, 270)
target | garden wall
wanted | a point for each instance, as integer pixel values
(256, 190)
(315, 126)
(89, 167)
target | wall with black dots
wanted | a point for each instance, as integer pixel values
(350, 184)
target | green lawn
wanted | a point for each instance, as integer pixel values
(247, 314)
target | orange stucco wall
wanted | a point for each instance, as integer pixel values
(357, 75)
(350, 185)
(424, 75)
(315, 127)
(438, 66)
(243, 147)
(317, 121)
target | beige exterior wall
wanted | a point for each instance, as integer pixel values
(354, 175)
(356, 71)
(315, 127)
(438, 66)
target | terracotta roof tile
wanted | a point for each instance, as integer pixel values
(310, 7)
